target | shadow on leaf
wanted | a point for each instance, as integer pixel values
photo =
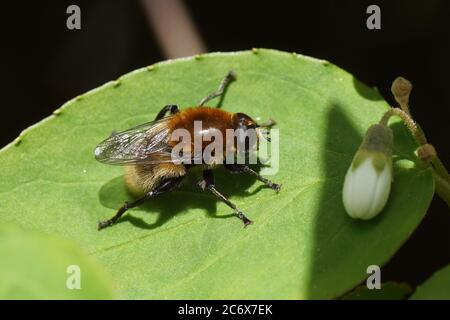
(366, 92)
(328, 256)
(187, 196)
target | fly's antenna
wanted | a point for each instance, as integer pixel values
(268, 124)
(231, 76)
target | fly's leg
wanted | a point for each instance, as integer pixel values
(231, 75)
(166, 185)
(122, 210)
(172, 108)
(243, 168)
(207, 183)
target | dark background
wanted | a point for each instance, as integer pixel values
(43, 64)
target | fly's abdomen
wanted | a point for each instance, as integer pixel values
(140, 179)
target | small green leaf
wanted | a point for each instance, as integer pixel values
(437, 287)
(36, 266)
(388, 291)
(187, 245)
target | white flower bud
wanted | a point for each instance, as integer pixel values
(368, 180)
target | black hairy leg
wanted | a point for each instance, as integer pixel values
(207, 183)
(220, 90)
(164, 186)
(172, 108)
(237, 168)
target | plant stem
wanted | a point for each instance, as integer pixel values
(413, 127)
(440, 173)
(442, 187)
(441, 169)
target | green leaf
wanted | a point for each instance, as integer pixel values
(437, 287)
(388, 291)
(36, 266)
(187, 245)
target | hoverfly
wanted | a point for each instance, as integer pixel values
(146, 151)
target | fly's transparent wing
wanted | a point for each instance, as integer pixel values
(144, 144)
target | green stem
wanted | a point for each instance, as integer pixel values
(441, 169)
(440, 173)
(412, 126)
(442, 187)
